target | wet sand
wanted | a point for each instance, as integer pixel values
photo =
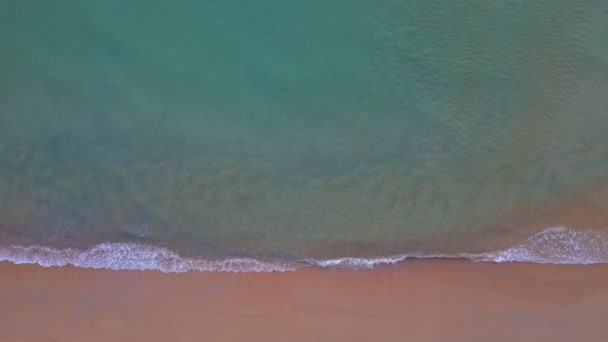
(420, 300)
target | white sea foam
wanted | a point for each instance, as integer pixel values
(360, 262)
(556, 245)
(131, 256)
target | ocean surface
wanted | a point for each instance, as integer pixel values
(246, 135)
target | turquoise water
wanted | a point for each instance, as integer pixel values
(296, 128)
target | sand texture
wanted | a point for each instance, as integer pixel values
(415, 301)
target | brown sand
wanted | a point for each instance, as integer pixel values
(427, 300)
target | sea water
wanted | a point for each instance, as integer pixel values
(270, 135)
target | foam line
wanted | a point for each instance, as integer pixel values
(556, 245)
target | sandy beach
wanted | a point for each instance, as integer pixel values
(420, 300)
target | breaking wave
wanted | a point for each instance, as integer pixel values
(555, 245)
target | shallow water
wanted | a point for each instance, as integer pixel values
(293, 130)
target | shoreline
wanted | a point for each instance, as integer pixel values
(554, 245)
(424, 300)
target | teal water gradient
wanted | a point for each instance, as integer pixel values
(315, 128)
